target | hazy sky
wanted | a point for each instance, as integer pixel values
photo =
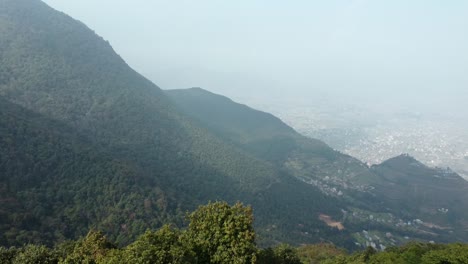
(289, 48)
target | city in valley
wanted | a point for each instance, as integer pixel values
(376, 132)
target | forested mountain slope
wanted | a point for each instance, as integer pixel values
(268, 138)
(385, 197)
(112, 151)
(419, 191)
(55, 66)
(55, 184)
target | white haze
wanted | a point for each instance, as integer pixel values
(358, 48)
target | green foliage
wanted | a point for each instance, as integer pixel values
(266, 256)
(412, 253)
(90, 250)
(313, 254)
(164, 246)
(32, 254)
(220, 233)
(54, 180)
(453, 254)
(7, 255)
(286, 254)
(65, 248)
(282, 254)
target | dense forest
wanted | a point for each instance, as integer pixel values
(220, 233)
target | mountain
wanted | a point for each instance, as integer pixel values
(383, 198)
(432, 200)
(57, 67)
(419, 191)
(268, 138)
(103, 147)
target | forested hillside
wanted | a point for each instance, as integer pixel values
(268, 138)
(112, 151)
(55, 184)
(401, 196)
(422, 192)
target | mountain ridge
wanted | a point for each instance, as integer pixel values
(399, 186)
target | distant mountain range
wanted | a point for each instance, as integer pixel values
(87, 142)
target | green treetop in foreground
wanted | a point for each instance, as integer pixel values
(220, 233)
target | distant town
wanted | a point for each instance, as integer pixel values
(374, 134)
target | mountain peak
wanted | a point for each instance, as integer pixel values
(411, 166)
(198, 91)
(401, 159)
(227, 116)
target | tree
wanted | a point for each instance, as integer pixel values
(319, 252)
(453, 253)
(220, 233)
(282, 254)
(90, 250)
(7, 254)
(163, 246)
(33, 254)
